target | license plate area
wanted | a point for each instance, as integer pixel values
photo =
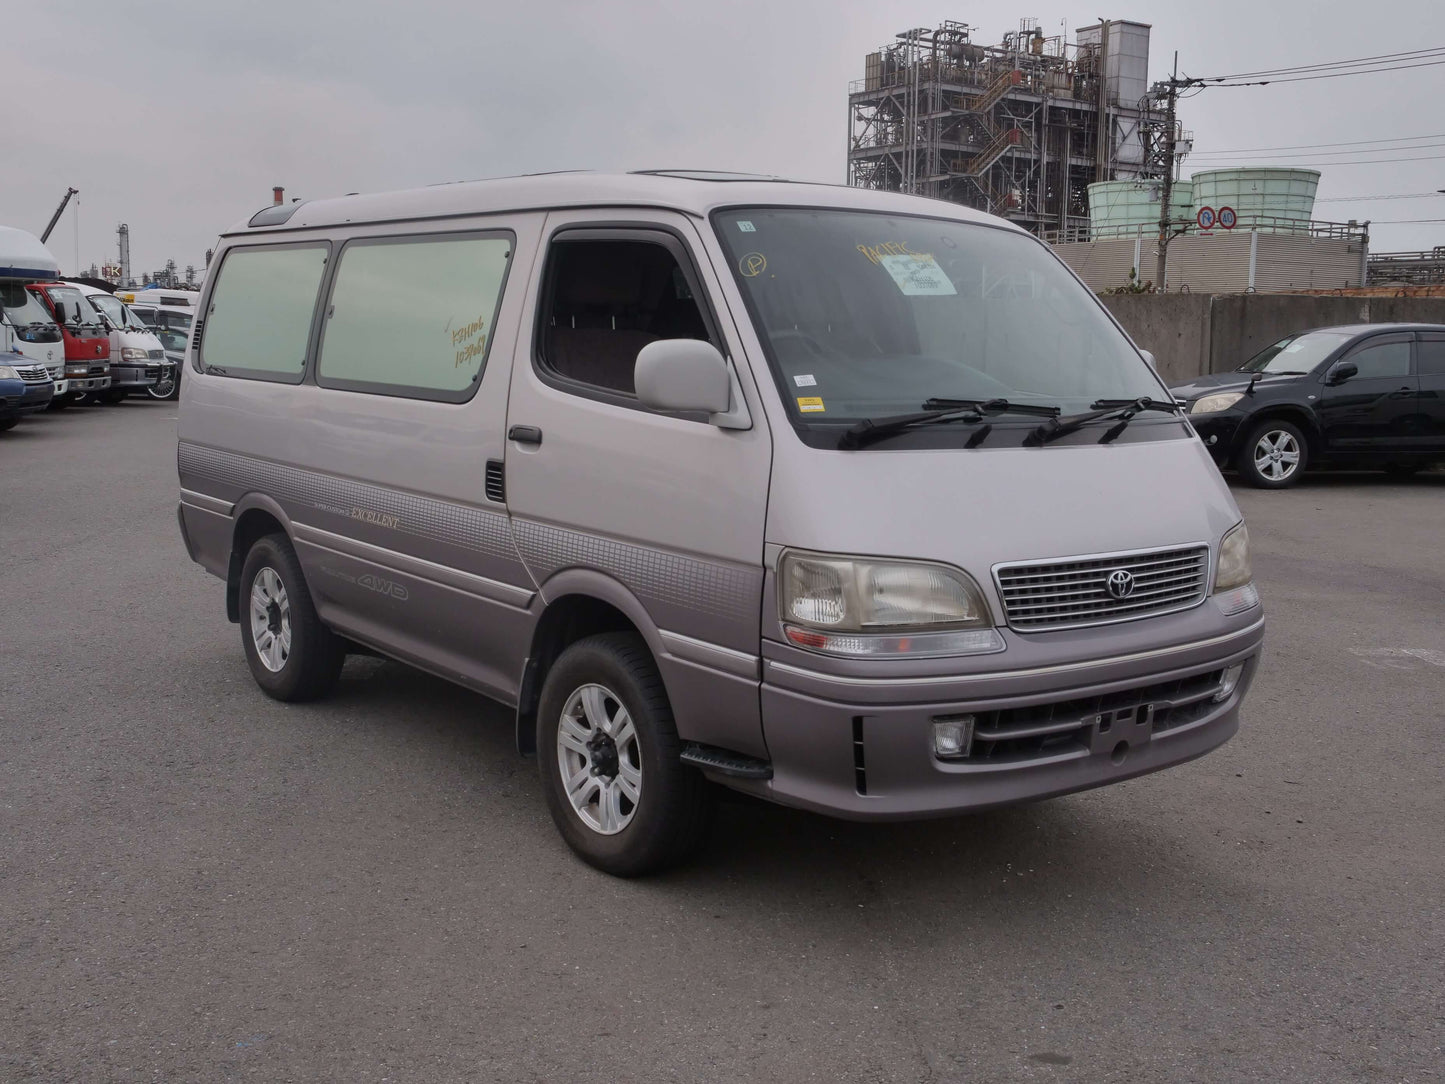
(1132, 725)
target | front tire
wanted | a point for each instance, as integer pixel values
(292, 655)
(1273, 455)
(609, 756)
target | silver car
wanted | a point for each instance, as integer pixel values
(852, 501)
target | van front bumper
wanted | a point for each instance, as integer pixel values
(863, 748)
(134, 377)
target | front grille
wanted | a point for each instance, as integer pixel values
(1021, 735)
(155, 355)
(33, 374)
(99, 370)
(153, 372)
(1074, 591)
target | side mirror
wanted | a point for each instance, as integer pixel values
(682, 374)
(1149, 357)
(1342, 372)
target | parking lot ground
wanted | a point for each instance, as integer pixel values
(198, 883)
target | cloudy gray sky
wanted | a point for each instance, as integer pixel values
(177, 118)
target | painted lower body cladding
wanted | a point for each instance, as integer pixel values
(861, 748)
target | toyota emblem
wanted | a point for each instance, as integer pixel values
(1120, 583)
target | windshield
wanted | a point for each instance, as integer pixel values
(110, 306)
(174, 330)
(868, 315)
(74, 302)
(21, 307)
(1296, 353)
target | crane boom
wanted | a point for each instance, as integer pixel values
(58, 212)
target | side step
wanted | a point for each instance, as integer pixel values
(725, 762)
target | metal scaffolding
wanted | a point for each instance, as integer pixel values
(1013, 129)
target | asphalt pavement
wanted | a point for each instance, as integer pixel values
(200, 884)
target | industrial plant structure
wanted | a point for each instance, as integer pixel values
(1019, 129)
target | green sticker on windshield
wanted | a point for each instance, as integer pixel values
(918, 275)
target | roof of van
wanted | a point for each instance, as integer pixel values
(695, 192)
(22, 256)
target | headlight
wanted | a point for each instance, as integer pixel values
(859, 607)
(8, 373)
(1234, 589)
(1212, 404)
(132, 353)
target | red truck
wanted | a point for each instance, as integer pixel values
(87, 341)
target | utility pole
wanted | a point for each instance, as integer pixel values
(1171, 151)
(1167, 191)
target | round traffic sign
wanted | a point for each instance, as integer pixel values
(1205, 218)
(1227, 218)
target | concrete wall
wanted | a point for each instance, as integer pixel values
(1192, 334)
(1222, 262)
(1174, 327)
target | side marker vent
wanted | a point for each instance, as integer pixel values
(496, 482)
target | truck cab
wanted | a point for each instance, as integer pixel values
(137, 359)
(170, 314)
(85, 337)
(27, 329)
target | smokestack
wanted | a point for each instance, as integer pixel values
(278, 194)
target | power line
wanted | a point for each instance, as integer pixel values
(1218, 82)
(1372, 199)
(1312, 146)
(1380, 59)
(1321, 156)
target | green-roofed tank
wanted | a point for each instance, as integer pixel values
(1120, 208)
(1264, 199)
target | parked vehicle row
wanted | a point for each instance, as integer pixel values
(68, 340)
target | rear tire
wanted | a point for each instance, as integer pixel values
(1273, 455)
(628, 805)
(6, 424)
(292, 655)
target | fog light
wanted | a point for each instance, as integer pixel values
(1229, 682)
(952, 736)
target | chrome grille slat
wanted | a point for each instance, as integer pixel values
(1042, 595)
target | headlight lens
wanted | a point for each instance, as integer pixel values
(1233, 568)
(1211, 404)
(8, 373)
(132, 353)
(858, 607)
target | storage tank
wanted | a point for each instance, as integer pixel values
(1269, 200)
(1119, 208)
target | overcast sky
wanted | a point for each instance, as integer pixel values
(177, 118)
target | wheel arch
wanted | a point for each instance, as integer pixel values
(1300, 416)
(256, 516)
(576, 603)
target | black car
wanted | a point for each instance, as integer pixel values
(1365, 395)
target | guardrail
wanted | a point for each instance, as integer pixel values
(1350, 231)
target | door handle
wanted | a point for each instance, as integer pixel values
(525, 434)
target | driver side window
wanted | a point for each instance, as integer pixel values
(1381, 361)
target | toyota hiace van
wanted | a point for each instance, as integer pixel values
(853, 501)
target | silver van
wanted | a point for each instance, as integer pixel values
(852, 501)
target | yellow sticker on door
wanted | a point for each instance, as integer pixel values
(810, 404)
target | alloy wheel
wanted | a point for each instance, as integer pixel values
(1277, 455)
(599, 759)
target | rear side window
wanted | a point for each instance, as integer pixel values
(1431, 356)
(259, 320)
(414, 316)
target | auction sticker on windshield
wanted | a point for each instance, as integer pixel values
(918, 275)
(810, 404)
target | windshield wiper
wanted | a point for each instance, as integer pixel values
(871, 430)
(1123, 409)
(993, 406)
